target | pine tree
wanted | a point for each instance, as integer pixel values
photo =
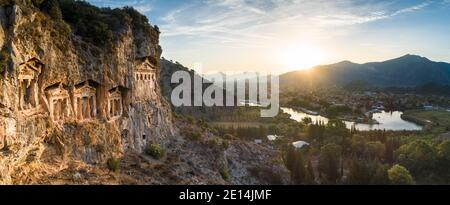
(299, 171)
(310, 177)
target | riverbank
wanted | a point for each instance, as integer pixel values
(387, 121)
(434, 121)
(358, 119)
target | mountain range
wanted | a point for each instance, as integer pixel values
(404, 72)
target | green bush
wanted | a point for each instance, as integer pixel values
(194, 134)
(155, 150)
(113, 164)
(228, 137)
(399, 175)
(225, 144)
(87, 140)
(190, 119)
(98, 25)
(212, 143)
(100, 148)
(7, 2)
(225, 174)
(4, 59)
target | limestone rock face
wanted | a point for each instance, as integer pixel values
(68, 106)
(61, 95)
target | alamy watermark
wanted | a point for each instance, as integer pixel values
(220, 90)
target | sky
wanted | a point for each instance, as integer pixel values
(283, 35)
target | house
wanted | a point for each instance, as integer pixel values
(429, 107)
(273, 137)
(300, 144)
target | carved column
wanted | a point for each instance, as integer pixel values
(36, 94)
(51, 107)
(113, 108)
(94, 104)
(80, 109)
(68, 108)
(109, 108)
(120, 107)
(21, 94)
(57, 110)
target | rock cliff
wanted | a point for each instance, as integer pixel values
(59, 89)
(79, 88)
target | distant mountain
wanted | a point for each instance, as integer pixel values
(406, 71)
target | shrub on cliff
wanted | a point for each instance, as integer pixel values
(98, 25)
(51, 7)
(225, 174)
(7, 2)
(4, 59)
(194, 135)
(225, 144)
(155, 150)
(113, 164)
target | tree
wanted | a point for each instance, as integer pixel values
(37, 2)
(418, 156)
(307, 120)
(379, 173)
(290, 157)
(310, 176)
(53, 9)
(337, 132)
(399, 175)
(316, 133)
(375, 150)
(359, 145)
(329, 161)
(299, 171)
(443, 152)
(359, 173)
(296, 164)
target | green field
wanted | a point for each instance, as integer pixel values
(434, 121)
(238, 124)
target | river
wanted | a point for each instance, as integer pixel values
(387, 121)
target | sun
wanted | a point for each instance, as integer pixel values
(302, 57)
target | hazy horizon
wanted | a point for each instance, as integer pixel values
(286, 35)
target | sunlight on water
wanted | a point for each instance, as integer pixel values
(387, 120)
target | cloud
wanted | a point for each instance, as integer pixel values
(361, 16)
(255, 20)
(251, 21)
(225, 33)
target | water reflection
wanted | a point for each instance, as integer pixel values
(387, 120)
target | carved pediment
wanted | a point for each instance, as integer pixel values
(30, 69)
(146, 64)
(27, 73)
(57, 92)
(84, 90)
(115, 94)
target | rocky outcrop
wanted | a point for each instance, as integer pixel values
(71, 101)
(57, 93)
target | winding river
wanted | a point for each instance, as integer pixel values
(387, 121)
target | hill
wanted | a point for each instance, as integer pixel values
(406, 71)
